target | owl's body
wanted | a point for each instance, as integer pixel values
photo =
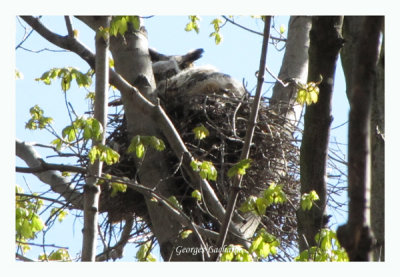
(200, 80)
(176, 75)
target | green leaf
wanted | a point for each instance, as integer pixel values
(193, 24)
(18, 75)
(228, 255)
(308, 93)
(67, 74)
(69, 133)
(140, 143)
(249, 205)
(264, 250)
(206, 169)
(117, 187)
(60, 213)
(196, 194)
(307, 200)
(217, 37)
(135, 20)
(239, 168)
(37, 119)
(139, 150)
(274, 194)
(93, 154)
(195, 164)
(61, 255)
(201, 132)
(185, 234)
(172, 199)
(282, 29)
(261, 205)
(118, 25)
(301, 96)
(256, 243)
(156, 143)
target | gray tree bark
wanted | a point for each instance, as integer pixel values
(325, 43)
(91, 193)
(59, 184)
(144, 117)
(378, 159)
(294, 66)
(132, 62)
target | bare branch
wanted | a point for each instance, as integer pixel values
(69, 25)
(250, 30)
(48, 166)
(116, 251)
(248, 138)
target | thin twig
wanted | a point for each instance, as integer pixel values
(248, 139)
(250, 30)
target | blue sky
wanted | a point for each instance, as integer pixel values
(238, 55)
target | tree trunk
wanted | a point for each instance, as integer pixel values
(132, 62)
(352, 28)
(325, 43)
(294, 66)
(355, 235)
(91, 192)
(378, 159)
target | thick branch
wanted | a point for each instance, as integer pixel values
(65, 42)
(142, 104)
(58, 184)
(355, 235)
(325, 43)
(294, 67)
(47, 166)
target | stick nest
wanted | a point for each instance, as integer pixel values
(275, 159)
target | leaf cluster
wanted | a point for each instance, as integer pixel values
(103, 153)
(307, 200)
(236, 253)
(201, 132)
(59, 213)
(174, 202)
(120, 24)
(239, 168)
(264, 244)
(193, 24)
(308, 93)
(258, 205)
(328, 249)
(139, 144)
(67, 74)
(206, 169)
(37, 119)
(216, 34)
(197, 195)
(27, 220)
(144, 255)
(60, 255)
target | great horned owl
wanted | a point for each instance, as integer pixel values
(167, 66)
(200, 80)
(175, 75)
